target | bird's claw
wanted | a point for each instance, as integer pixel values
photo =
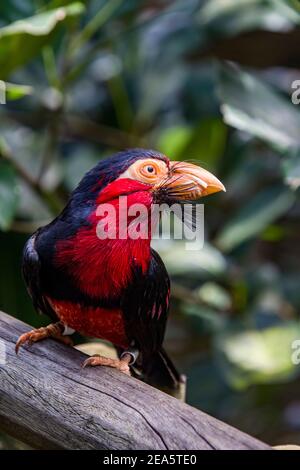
(24, 338)
(98, 360)
(54, 331)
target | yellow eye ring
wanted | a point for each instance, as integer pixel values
(149, 170)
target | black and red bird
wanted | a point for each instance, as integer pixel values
(116, 289)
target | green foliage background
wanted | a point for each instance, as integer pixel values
(204, 80)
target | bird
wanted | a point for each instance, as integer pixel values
(112, 288)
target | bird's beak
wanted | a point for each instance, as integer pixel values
(190, 182)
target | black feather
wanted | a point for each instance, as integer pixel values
(145, 307)
(31, 270)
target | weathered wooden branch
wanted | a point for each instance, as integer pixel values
(48, 401)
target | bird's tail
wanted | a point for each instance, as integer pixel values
(159, 371)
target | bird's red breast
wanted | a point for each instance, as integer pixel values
(97, 322)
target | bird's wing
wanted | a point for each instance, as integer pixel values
(31, 270)
(145, 306)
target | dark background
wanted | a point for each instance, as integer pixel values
(204, 80)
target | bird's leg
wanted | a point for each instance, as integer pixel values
(54, 330)
(127, 359)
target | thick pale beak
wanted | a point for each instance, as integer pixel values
(190, 182)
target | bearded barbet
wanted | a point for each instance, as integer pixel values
(113, 288)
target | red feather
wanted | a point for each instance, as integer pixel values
(90, 321)
(102, 268)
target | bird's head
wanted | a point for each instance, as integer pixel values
(145, 171)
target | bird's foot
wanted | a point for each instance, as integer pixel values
(120, 364)
(54, 330)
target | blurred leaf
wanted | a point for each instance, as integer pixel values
(173, 140)
(204, 319)
(205, 142)
(206, 260)
(291, 170)
(255, 216)
(15, 91)
(8, 195)
(273, 233)
(254, 107)
(58, 3)
(251, 356)
(294, 4)
(77, 164)
(22, 40)
(213, 9)
(156, 89)
(215, 295)
(288, 8)
(231, 17)
(103, 14)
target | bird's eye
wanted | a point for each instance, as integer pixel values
(150, 169)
